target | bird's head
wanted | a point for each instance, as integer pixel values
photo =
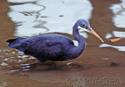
(86, 27)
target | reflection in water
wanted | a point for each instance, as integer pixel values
(54, 72)
(32, 17)
(3, 64)
(119, 14)
(119, 48)
(118, 20)
(56, 66)
(115, 34)
(14, 59)
(20, 1)
(42, 17)
(3, 83)
(118, 33)
(26, 19)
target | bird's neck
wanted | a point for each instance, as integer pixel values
(81, 42)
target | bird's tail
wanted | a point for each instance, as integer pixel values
(17, 43)
(13, 43)
(11, 40)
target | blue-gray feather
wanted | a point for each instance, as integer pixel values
(53, 47)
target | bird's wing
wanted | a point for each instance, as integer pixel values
(46, 48)
(53, 47)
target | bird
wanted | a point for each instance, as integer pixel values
(54, 47)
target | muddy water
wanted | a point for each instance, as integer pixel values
(99, 65)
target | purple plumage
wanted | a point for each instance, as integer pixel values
(54, 47)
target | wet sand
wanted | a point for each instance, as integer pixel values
(91, 64)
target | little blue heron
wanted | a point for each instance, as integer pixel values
(54, 47)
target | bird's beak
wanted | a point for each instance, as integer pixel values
(95, 34)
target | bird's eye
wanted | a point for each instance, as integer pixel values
(83, 25)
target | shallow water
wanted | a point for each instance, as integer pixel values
(32, 17)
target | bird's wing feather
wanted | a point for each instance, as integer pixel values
(46, 48)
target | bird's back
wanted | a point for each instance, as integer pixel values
(48, 40)
(44, 46)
